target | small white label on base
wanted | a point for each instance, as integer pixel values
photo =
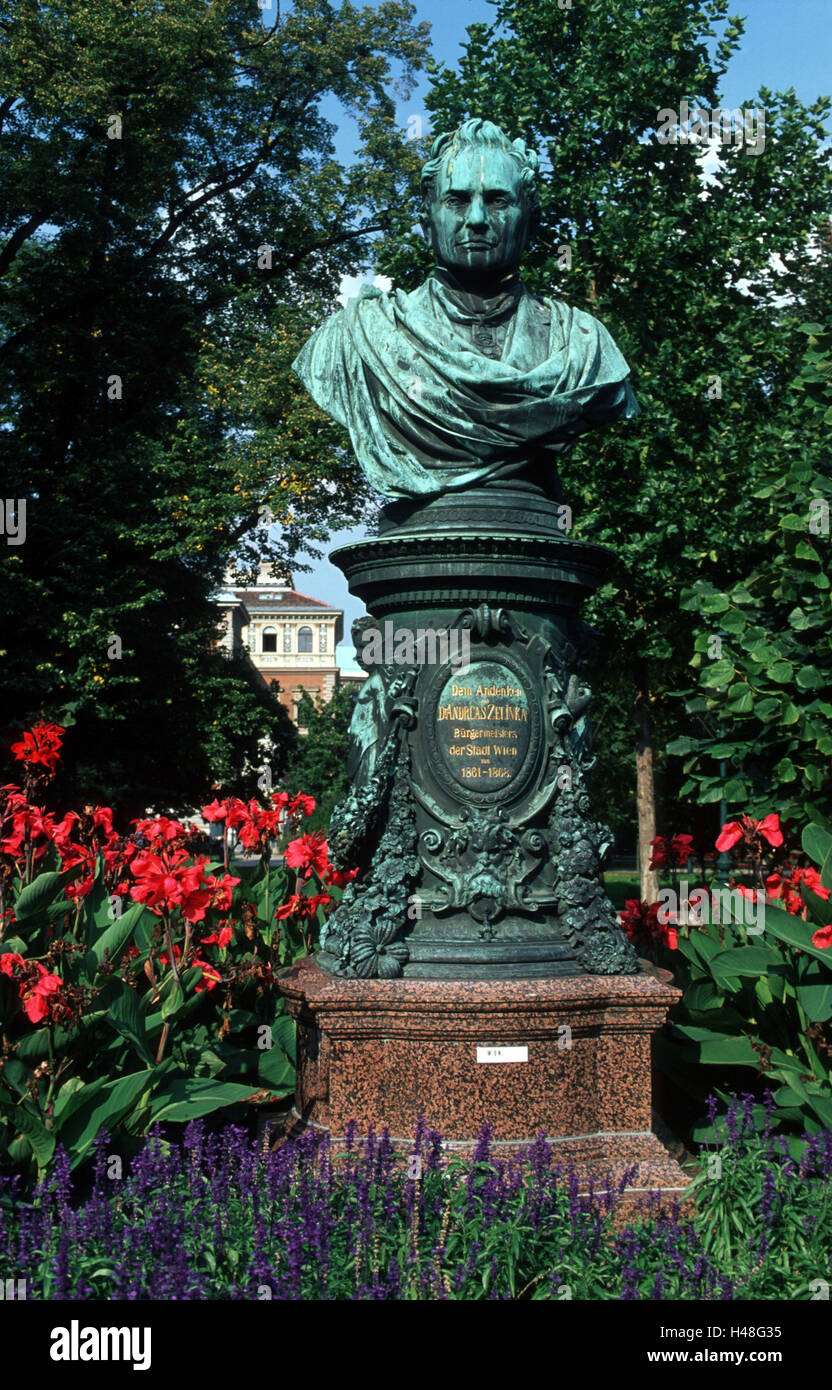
(502, 1054)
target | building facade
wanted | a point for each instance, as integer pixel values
(289, 637)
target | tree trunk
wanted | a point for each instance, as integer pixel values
(645, 790)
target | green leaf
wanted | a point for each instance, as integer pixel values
(126, 1017)
(717, 673)
(720, 1049)
(714, 603)
(40, 892)
(276, 1071)
(815, 992)
(780, 671)
(21, 1117)
(114, 939)
(817, 843)
(104, 1110)
(746, 960)
(810, 678)
(795, 932)
(785, 770)
(186, 1098)
(173, 1002)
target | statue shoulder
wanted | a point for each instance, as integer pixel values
(575, 321)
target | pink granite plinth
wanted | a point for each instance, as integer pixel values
(382, 1052)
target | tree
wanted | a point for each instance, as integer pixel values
(318, 766)
(683, 276)
(173, 224)
(765, 691)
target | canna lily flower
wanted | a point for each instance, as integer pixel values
(219, 938)
(735, 830)
(41, 744)
(308, 852)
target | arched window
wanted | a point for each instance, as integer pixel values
(304, 639)
(269, 639)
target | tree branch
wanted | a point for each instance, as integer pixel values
(17, 239)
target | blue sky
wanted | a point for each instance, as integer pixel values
(787, 43)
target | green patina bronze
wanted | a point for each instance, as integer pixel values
(469, 817)
(470, 378)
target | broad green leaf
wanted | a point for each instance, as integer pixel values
(114, 939)
(717, 673)
(795, 932)
(815, 992)
(36, 896)
(746, 960)
(186, 1098)
(810, 678)
(817, 843)
(106, 1108)
(21, 1118)
(126, 1017)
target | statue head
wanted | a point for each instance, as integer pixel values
(479, 200)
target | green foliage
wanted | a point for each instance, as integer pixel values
(681, 275)
(173, 223)
(757, 1005)
(769, 688)
(141, 1041)
(319, 764)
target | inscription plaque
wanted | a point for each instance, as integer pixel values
(483, 726)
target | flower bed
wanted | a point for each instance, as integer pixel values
(216, 1217)
(137, 977)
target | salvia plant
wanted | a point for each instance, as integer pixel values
(215, 1215)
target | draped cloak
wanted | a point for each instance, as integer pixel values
(427, 411)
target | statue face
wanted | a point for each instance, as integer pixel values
(479, 221)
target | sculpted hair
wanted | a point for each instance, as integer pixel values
(478, 132)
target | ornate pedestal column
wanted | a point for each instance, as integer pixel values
(475, 969)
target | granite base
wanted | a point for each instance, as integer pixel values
(569, 1056)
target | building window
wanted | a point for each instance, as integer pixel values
(304, 639)
(322, 638)
(269, 639)
(287, 637)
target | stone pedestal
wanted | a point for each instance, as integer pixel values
(382, 1052)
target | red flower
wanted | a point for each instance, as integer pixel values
(38, 989)
(293, 907)
(42, 744)
(220, 938)
(769, 828)
(210, 977)
(671, 854)
(37, 999)
(301, 805)
(730, 833)
(221, 889)
(735, 830)
(163, 883)
(308, 852)
(337, 878)
(160, 830)
(822, 938)
(641, 923)
(788, 887)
